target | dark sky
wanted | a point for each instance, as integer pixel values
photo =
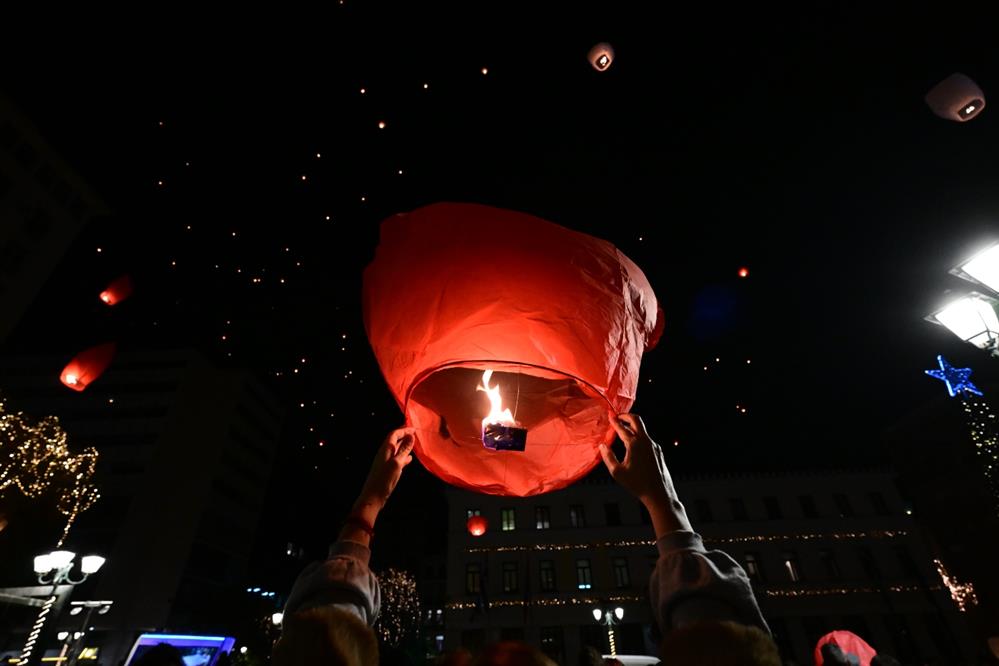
(797, 145)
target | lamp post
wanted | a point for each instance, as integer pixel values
(975, 317)
(77, 607)
(55, 569)
(609, 618)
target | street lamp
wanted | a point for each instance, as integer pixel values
(609, 618)
(983, 268)
(972, 318)
(55, 569)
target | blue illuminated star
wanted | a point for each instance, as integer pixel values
(956, 379)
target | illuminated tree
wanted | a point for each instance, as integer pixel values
(400, 614)
(35, 459)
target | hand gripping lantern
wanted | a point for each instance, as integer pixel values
(507, 341)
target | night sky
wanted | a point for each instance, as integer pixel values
(247, 174)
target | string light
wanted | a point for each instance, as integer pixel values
(752, 538)
(963, 594)
(37, 461)
(400, 614)
(564, 601)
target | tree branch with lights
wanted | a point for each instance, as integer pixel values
(36, 460)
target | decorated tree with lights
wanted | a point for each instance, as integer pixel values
(400, 614)
(35, 460)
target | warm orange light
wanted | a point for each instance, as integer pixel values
(477, 525)
(496, 414)
(743, 272)
(381, 124)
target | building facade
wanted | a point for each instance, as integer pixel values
(44, 204)
(186, 450)
(825, 551)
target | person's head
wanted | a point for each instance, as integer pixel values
(589, 656)
(325, 637)
(160, 655)
(718, 644)
(512, 653)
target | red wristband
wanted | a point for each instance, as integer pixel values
(361, 523)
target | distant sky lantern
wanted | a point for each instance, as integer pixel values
(507, 341)
(956, 98)
(743, 272)
(601, 56)
(477, 525)
(117, 291)
(87, 366)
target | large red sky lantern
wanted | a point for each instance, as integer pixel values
(850, 643)
(477, 525)
(87, 366)
(117, 291)
(507, 341)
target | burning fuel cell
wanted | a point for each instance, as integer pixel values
(500, 430)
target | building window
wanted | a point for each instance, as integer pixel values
(703, 511)
(829, 564)
(473, 578)
(621, 575)
(808, 506)
(879, 504)
(552, 644)
(547, 575)
(773, 508)
(843, 505)
(584, 577)
(906, 563)
(738, 508)
(791, 566)
(472, 512)
(508, 519)
(509, 576)
(542, 518)
(613, 513)
(754, 568)
(868, 562)
(577, 516)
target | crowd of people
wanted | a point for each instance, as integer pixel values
(703, 605)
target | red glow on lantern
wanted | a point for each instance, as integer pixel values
(87, 366)
(477, 525)
(850, 643)
(743, 272)
(117, 291)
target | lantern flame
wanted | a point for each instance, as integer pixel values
(106, 297)
(496, 414)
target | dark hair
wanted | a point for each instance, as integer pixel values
(162, 654)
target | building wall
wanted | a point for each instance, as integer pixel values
(43, 206)
(857, 558)
(185, 455)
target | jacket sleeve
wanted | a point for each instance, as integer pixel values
(343, 580)
(691, 584)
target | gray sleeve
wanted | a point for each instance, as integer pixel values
(691, 584)
(343, 580)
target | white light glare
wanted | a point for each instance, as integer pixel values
(972, 318)
(984, 267)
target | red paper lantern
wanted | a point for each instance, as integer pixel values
(87, 366)
(559, 317)
(743, 272)
(850, 643)
(117, 291)
(601, 56)
(477, 525)
(956, 98)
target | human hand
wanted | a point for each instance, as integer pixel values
(643, 471)
(392, 456)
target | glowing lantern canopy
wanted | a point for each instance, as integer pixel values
(956, 98)
(601, 56)
(87, 366)
(117, 291)
(477, 525)
(507, 341)
(852, 647)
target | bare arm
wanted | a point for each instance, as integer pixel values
(644, 474)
